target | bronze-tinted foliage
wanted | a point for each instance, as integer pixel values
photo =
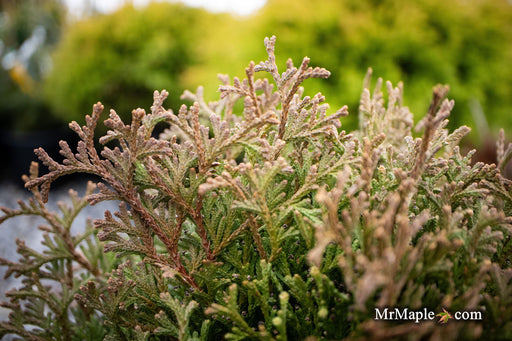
(274, 224)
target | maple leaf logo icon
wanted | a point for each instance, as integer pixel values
(444, 316)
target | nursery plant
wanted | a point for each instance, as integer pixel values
(270, 223)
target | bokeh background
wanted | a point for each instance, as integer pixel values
(58, 57)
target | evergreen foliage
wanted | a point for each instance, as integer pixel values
(270, 224)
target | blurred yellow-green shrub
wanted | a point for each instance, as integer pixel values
(464, 43)
(121, 58)
(29, 31)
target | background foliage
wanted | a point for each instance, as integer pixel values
(467, 44)
(121, 58)
(29, 30)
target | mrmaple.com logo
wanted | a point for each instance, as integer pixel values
(404, 314)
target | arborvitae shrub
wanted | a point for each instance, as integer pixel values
(270, 224)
